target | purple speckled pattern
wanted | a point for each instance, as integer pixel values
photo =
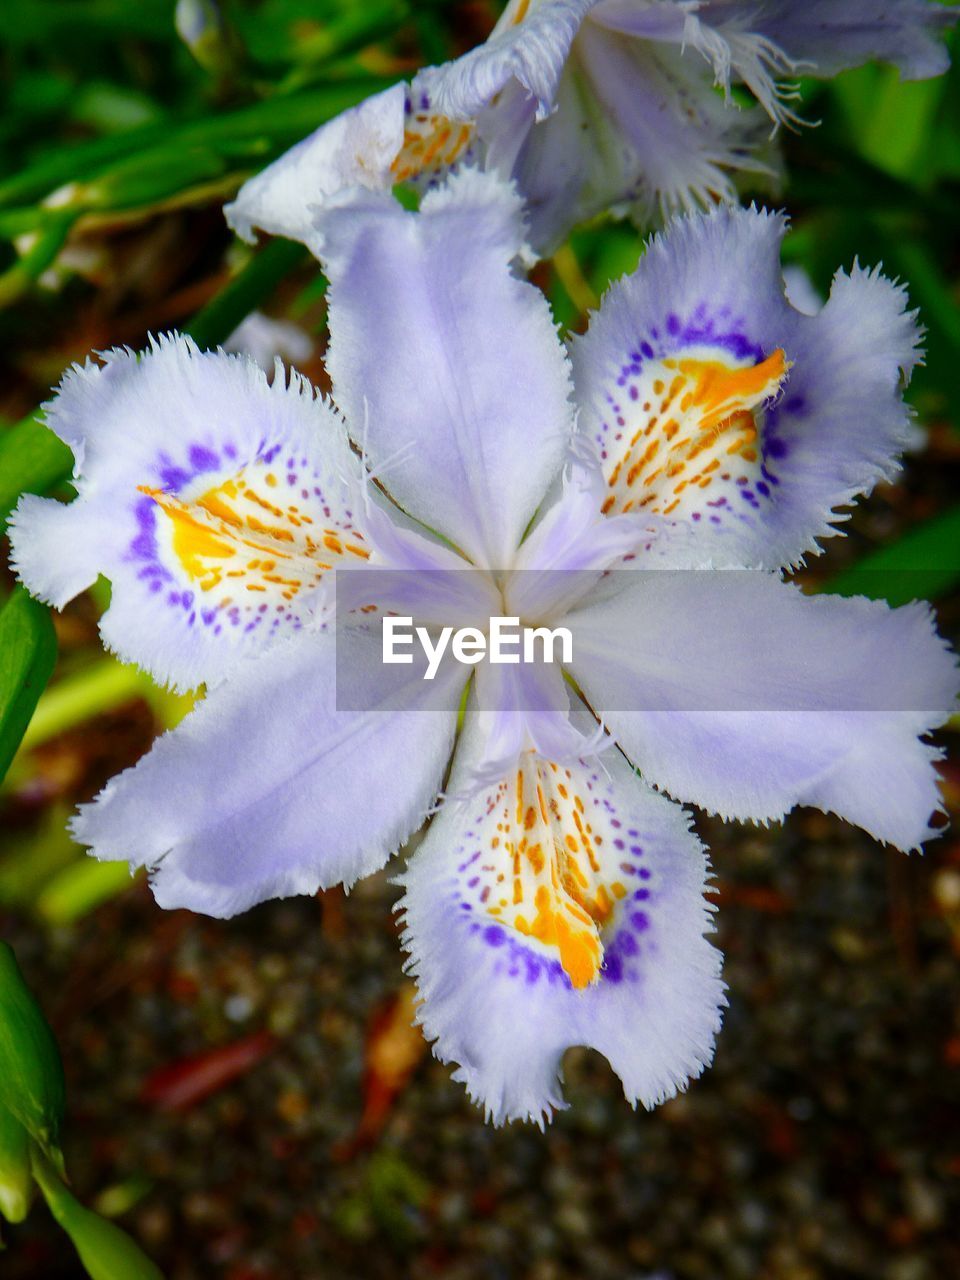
(833, 426)
(160, 572)
(501, 1004)
(624, 935)
(212, 499)
(704, 332)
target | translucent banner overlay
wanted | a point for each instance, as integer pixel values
(628, 640)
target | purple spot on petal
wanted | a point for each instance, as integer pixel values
(202, 458)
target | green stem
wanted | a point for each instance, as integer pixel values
(107, 1253)
(50, 239)
(215, 322)
(102, 686)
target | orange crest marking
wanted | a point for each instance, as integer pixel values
(237, 537)
(542, 867)
(693, 421)
(430, 142)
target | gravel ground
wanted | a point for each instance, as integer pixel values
(824, 1141)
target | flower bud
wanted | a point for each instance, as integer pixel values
(15, 1177)
(106, 1251)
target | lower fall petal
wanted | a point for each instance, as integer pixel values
(269, 788)
(562, 905)
(736, 692)
(213, 501)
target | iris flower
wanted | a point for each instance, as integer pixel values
(557, 898)
(598, 104)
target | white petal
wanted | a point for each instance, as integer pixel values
(497, 995)
(355, 150)
(736, 692)
(449, 361)
(214, 502)
(272, 787)
(266, 340)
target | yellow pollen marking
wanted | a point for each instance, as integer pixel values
(430, 142)
(545, 849)
(193, 542)
(721, 391)
(713, 405)
(217, 536)
(580, 951)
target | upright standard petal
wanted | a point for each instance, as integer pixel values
(730, 425)
(828, 37)
(530, 45)
(273, 786)
(354, 150)
(214, 502)
(561, 906)
(449, 360)
(639, 128)
(736, 692)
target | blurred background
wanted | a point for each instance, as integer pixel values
(247, 1098)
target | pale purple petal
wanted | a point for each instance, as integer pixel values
(498, 1001)
(446, 364)
(765, 44)
(524, 707)
(570, 546)
(814, 418)
(529, 45)
(834, 36)
(736, 692)
(269, 788)
(355, 150)
(214, 502)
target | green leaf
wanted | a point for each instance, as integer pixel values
(80, 887)
(31, 1073)
(32, 460)
(251, 286)
(28, 650)
(922, 565)
(257, 132)
(45, 244)
(106, 1252)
